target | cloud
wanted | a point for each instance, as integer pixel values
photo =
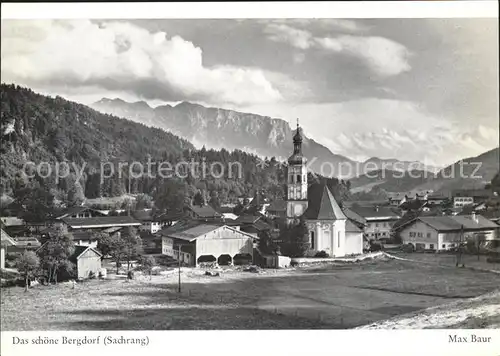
(382, 56)
(299, 57)
(387, 128)
(122, 56)
(342, 25)
(283, 33)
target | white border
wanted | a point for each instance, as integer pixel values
(276, 343)
(342, 342)
(229, 10)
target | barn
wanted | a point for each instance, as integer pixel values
(203, 242)
(87, 260)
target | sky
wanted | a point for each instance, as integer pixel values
(411, 89)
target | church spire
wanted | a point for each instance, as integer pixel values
(297, 141)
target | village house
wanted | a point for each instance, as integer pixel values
(149, 222)
(14, 225)
(328, 226)
(83, 229)
(465, 197)
(252, 224)
(414, 205)
(80, 212)
(436, 199)
(24, 243)
(200, 242)
(396, 199)
(276, 209)
(379, 221)
(204, 212)
(5, 242)
(438, 233)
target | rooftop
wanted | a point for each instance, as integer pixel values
(6, 240)
(322, 204)
(455, 223)
(483, 193)
(188, 230)
(351, 227)
(370, 212)
(79, 250)
(205, 211)
(277, 205)
(104, 221)
(352, 215)
(248, 219)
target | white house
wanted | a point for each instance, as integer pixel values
(445, 232)
(6, 241)
(379, 220)
(325, 219)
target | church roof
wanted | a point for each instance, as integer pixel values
(322, 205)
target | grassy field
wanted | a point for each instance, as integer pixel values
(331, 296)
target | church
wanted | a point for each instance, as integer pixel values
(330, 230)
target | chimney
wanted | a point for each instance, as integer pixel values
(474, 217)
(376, 207)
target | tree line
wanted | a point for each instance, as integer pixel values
(40, 128)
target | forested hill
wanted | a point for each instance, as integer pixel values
(39, 128)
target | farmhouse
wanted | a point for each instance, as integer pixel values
(84, 228)
(204, 212)
(101, 222)
(202, 242)
(436, 199)
(87, 260)
(439, 233)
(149, 222)
(465, 197)
(379, 220)
(79, 212)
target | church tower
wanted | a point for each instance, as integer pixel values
(297, 180)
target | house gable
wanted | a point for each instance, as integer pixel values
(88, 253)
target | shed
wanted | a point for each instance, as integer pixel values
(86, 260)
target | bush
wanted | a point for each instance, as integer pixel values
(408, 248)
(322, 254)
(493, 260)
(375, 246)
(92, 275)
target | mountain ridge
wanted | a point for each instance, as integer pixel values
(262, 135)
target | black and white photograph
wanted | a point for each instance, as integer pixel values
(278, 173)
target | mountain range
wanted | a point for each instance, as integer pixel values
(39, 128)
(264, 136)
(475, 173)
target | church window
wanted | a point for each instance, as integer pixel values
(338, 239)
(312, 240)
